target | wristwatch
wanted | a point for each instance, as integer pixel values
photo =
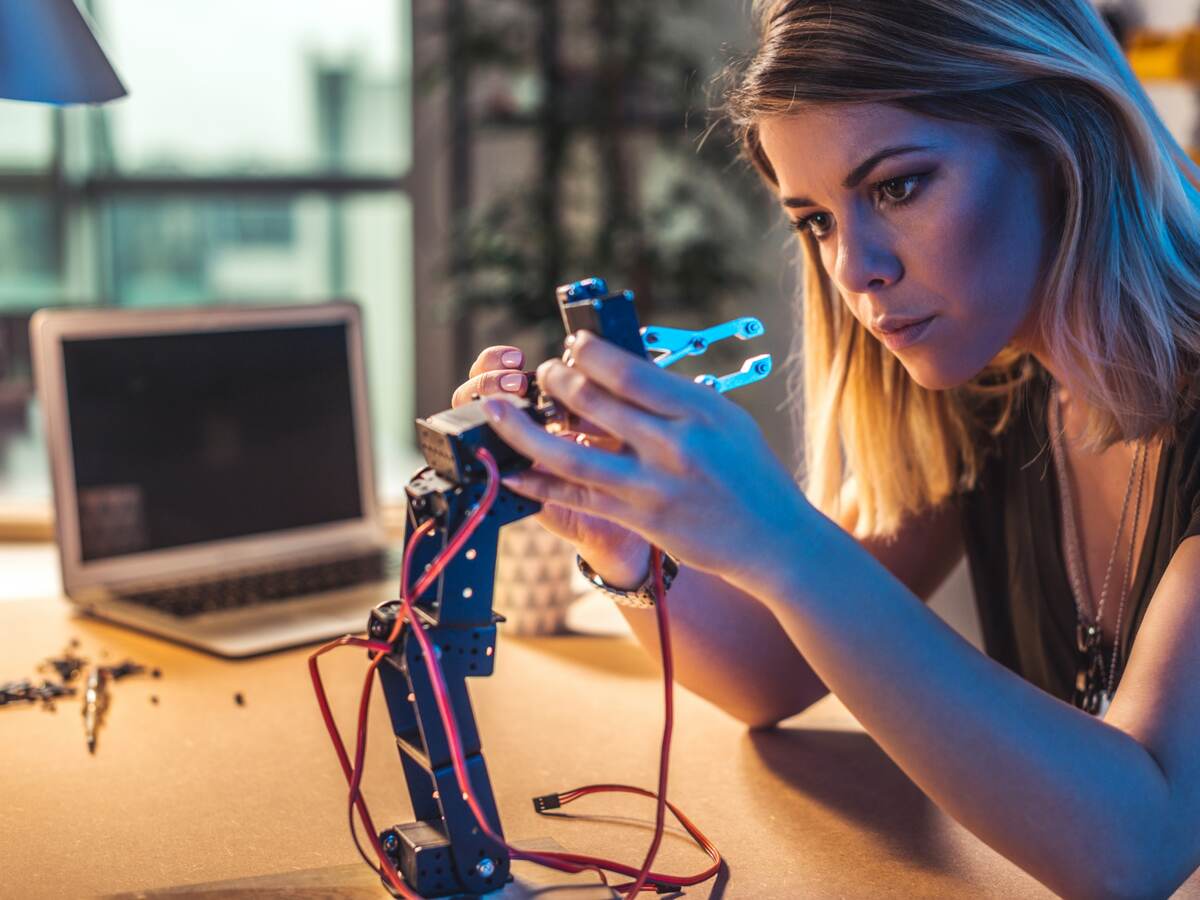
(641, 597)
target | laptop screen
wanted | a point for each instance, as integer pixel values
(180, 439)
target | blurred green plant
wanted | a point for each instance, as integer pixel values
(634, 182)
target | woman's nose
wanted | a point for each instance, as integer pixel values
(865, 264)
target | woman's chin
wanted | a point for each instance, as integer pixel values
(936, 375)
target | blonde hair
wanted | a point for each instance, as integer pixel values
(1120, 302)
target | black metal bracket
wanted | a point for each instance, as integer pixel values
(444, 852)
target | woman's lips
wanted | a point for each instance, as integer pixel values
(906, 336)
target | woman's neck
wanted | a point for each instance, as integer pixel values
(1074, 410)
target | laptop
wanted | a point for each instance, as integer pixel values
(212, 471)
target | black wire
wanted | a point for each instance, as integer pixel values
(358, 845)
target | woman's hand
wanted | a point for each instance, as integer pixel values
(620, 557)
(695, 476)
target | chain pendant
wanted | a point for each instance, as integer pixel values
(1087, 638)
(1090, 695)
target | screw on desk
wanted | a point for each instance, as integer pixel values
(239, 699)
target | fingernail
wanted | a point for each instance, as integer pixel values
(512, 382)
(512, 358)
(570, 341)
(494, 409)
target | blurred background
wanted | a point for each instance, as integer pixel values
(444, 163)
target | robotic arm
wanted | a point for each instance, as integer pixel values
(444, 852)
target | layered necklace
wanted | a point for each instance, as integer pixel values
(1094, 681)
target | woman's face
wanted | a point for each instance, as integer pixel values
(919, 220)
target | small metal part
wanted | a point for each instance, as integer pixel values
(129, 667)
(672, 344)
(588, 305)
(25, 691)
(95, 702)
(485, 868)
(451, 439)
(67, 666)
(239, 699)
(669, 345)
(754, 369)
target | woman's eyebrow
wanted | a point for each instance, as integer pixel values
(861, 171)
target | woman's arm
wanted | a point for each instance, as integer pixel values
(1089, 807)
(731, 650)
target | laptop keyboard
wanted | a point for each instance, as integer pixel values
(251, 588)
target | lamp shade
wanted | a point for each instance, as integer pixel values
(48, 54)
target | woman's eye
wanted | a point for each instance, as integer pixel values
(817, 224)
(891, 193)
(896, 191)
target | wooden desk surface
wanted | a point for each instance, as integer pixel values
(197, 790)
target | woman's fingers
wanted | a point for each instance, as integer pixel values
(549, 489)
(490, 384)
(566, 459)
(636, 380)
(496, 370)
(588, 400)
(499, 357)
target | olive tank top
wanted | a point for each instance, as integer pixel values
(1011, 525)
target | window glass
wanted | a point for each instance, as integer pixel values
(197, 250)
(378, 274)
(203, 251)
(29, 267)
(26, 139)
(264, 86)
(249, 93)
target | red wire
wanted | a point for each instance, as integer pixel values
(389, 870)
(664, 640)
(567, 862)
(365, 699)
(704, 842)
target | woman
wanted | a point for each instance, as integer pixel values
(1001, 326)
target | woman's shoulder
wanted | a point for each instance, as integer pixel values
(1184, 439)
